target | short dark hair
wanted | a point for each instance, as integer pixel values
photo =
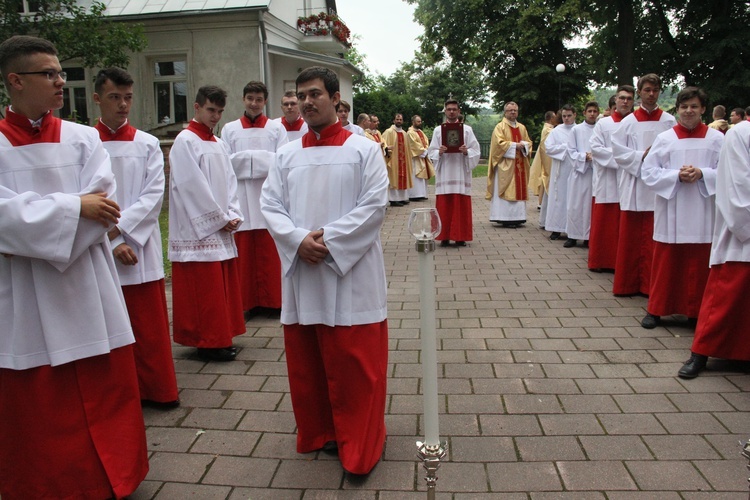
(568, 107)
(343, 104)
(451, 101)
(719, 111)
(591, 104)
(256, 87)
(688, 93)
(627, 88)
(612, 101)
(651, 78)
(330, 80)
(549, 115)
(18, 47)
(747, 111)
(739, 112)
(287, 94)
(118, 76)
(212, 93)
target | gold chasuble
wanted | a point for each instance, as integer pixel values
(542, 164)
(511, 174)
(399, 162)
(418, 144)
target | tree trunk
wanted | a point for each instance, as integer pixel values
(625, 42)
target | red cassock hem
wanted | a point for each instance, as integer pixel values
(337, 380)
(605, 227)
(722, 330)
(259, 269)
(635, 250)
(678, 278)
(147, 308)
(206, 304)
(455, 217)
(72, 431)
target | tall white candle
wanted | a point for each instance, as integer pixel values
(429, 350)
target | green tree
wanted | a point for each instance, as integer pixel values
(516, 44)
(80, 34)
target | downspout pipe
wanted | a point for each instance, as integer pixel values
(264, 48)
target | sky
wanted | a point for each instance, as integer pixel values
(387, 32)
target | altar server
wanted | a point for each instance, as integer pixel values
(324, 201)
(138, 165)
(72, 425)
(203, 215)
(681, 170)
(253, 140)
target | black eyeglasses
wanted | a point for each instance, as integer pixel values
(51, 74)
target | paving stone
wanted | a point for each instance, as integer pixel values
(724, 475)
(549, 448)
(226, 442)
(691, 423)
(305, 474)
(523, 476)
(459, 477)
(482, 449)
(605, 475)
(615, 448)
(268, 421)
(385, 476)
(170, 439)
(637, 424)
(475, 404)
(645, 403)
(509, 425)
(551, 386)
(566, 425)
(588, 403)
(201, 398)
(179, 467)
(254, 400)
(532, 403)
(171, 491)
(265, 494)
(684, 447)
(241, 471)
(666, 475)
(210, 418)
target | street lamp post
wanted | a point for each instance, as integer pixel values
(560, 68)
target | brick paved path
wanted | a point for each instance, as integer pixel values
(549, 388)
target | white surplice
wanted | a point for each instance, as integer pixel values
(138, 166)
(453, 170)
(683, 212)
(631, 139)
(293, 135)
(60, 298)
(253, 151)
(731, 239)
(556, 145)
(342, 190)
(605, 167)
(580, 183)
(202, 200)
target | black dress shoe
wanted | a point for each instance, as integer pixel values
(395, 203)
(650, 321)
(554, 236)
(160, 405)
(570, 242)
(585, 243)
(217, 354)
(460, 243)
(445, 243)
(693, 366)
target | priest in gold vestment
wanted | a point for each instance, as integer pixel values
(398, 161)
(508, 170)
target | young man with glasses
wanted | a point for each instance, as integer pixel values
(72, 425)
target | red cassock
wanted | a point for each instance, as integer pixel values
(635, 250)
(259, 269)
(72, 431)
(605, 228)
(455, 217)
(207, 308)
(722, 330)
(147, 308)
(337, 378)
(678, 278)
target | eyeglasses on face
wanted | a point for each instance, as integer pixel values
(51, 74)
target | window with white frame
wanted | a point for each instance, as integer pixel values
(28, 6)
(75, 101)
(170, 91)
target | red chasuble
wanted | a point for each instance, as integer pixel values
(520, 174)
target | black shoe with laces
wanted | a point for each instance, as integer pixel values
(693, 366)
